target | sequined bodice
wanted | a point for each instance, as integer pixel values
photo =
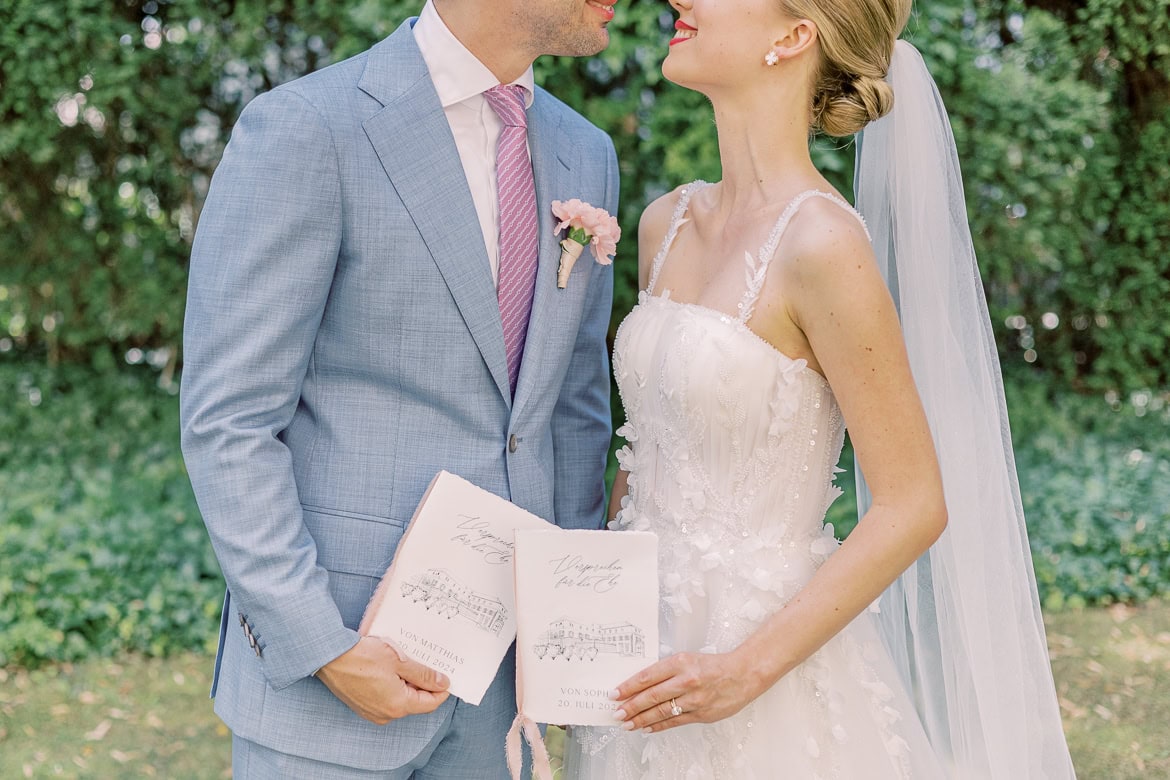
(731, 452)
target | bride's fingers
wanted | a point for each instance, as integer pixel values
(652, 706)
(663, 710)
(673, 722)
(639, 708)
(660, 717)
(646, 696)
(652, 675)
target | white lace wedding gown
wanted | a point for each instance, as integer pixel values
(731, 455)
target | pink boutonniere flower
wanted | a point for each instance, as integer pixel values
(588, 226)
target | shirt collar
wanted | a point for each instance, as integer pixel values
(457, 74)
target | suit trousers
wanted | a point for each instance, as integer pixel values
(445, 757)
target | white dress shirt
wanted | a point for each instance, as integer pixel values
(461, 79)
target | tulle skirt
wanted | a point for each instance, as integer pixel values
(843, 713)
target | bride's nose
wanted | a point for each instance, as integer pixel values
(681, 5)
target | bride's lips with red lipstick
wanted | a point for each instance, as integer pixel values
(685, 32)
(603, 8)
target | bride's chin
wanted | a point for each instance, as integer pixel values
(675, 74)
(682, 80)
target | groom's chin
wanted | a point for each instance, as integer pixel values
(603, 42)
(594, 44)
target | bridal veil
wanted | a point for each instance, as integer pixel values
(963, 623)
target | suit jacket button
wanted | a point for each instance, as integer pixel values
(513, 443)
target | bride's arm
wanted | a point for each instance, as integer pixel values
(619, 491)
(835, 295)
(652, 227)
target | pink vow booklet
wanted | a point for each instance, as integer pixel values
(587, 620)
(448, 598)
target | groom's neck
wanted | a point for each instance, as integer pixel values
(484, 28)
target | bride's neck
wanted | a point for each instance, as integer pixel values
(764, 153)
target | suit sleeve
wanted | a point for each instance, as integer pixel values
(582, 421)
(261, 269)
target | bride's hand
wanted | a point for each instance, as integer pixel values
(706, 687)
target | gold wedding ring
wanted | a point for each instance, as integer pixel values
(675, 710)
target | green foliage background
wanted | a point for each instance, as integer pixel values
(114, 113)
(101, 544)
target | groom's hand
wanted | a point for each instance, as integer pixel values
(374, 681)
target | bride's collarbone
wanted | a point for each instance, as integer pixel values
(722, 294)
(707, 269)
(720, 286)
(711, 272)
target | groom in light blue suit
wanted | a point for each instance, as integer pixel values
(344, 342)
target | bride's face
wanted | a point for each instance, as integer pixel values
(718, 43)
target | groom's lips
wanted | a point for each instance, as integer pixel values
(603, 8)
(686, 30)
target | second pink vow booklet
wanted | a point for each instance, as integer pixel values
(587, 620)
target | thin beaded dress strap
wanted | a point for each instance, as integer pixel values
(676, 221)
(757, 268)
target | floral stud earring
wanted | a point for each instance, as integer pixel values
(771, 58)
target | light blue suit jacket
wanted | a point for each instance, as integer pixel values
(342, 345)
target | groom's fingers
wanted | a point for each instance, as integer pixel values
(422, 677)
(419, 701)
(367, 679)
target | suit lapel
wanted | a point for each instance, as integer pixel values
(414, 143)
(551, 167)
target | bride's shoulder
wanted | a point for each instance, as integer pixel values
(825, 257)
(652, 227)
(824, 235)
(655, 219)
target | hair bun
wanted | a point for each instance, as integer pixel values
(854, 105)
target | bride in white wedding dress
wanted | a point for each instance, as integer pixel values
(765, 325)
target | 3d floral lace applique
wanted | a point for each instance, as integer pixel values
(761, 578)
(825, 544)
(711, 560)
(626, 458)
(832, 493)
(786, 399)
(753, 610)
(881, 698)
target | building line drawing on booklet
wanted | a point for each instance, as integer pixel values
(569, 639)
(445, 595)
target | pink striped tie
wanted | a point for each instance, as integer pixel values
(516, 191)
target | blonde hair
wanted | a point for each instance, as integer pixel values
(856, 40)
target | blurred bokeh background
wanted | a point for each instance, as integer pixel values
(113, 115)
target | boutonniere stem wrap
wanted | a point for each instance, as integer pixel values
(587, 226)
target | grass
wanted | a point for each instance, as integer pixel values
(1112, 668)
(130, 718)
(142, 717)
